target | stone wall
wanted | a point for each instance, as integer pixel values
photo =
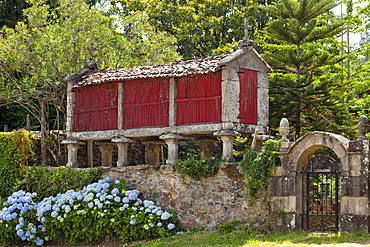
(286, 183)
(206, 203)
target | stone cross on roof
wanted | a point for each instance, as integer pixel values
(246, 42)
(246, 29)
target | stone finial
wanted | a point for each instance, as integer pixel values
(284, 129)
(363, 127)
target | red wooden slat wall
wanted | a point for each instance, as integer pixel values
(96, 108)
(199, 99)
(146, 103)
(248, 96)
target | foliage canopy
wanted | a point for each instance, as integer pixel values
(308, 84)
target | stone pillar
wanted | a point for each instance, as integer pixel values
(207, 145)
(70, 108)
(227, 138)
(122, 145)
(90, 153)
(152, 151)
(172, 141)
(106, 149)
(72, 146)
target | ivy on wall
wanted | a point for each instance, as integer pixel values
(15, 149)
(257, 167)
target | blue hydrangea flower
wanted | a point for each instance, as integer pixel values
(132, 222)
(170, 226)
(54, 214)
(105, 186)
(165, 216)
(115, 191)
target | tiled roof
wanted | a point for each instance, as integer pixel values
(176, 69)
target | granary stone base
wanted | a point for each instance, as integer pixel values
(206, 203)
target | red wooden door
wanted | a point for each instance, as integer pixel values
(248, 96)
(198, 99)
(96, 108)
(146, 103)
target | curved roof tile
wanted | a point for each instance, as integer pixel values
(176, 69)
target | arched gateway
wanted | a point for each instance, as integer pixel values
(302, 191)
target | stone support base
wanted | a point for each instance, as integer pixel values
(122, 145)
(207, 145)
(172, 141)
(227, 137)
(106, 149)
(72, 146)
(152, 151)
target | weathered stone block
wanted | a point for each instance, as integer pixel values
(354, 223)
(276, 186)
(354, 205)
(289, 186)
(354, 186)
(355, 146)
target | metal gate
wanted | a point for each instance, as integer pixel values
(321, 202)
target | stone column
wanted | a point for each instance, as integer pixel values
(207, 145)
(122, 145)
(152, 151)
(227, 138)
(70, 108)
(72, 146)
(172, 141)
(106, 149)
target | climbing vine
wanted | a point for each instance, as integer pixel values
(257, 167)
(15, 148)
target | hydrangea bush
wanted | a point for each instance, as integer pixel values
(98, 210)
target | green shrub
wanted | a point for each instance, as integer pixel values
(198, 168)
(15, 149)
(45, 183)
(258, 167)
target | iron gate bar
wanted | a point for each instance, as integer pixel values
(307, 194)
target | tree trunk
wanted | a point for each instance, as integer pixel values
(43, 132)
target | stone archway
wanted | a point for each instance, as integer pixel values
(286, 182)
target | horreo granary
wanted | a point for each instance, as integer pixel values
(208, 100)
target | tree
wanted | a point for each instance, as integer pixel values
(11, 12)
(307, 86)
(359, 69)
(53, 43)
(201, 27)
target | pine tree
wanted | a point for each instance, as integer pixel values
(302, 50)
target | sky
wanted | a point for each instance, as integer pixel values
(353, 37)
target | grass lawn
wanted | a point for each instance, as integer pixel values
(243, 238)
